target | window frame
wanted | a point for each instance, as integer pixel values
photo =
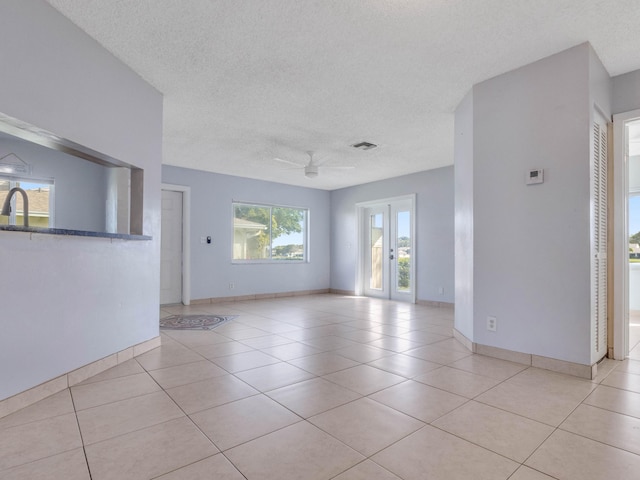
(270, 260)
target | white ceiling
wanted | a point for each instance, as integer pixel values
(245, 81)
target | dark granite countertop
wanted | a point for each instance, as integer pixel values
(75, 233)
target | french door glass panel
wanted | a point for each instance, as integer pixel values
(388, 262)
(376, 244)
(403, 251)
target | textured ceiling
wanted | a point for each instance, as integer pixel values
(245, 81)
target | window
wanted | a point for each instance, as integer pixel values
(269, 233)
(40, 195)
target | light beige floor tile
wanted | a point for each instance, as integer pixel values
(419, 400)
(445, 330)
(242, 334)
(366, 425)
(615, 429)
(457, 381)
(404, 365)
(363, 353)
(432, 353)
(489, 367)
(432, 453)
(238, 422)
(290, 351)
(572, 457)
(266, 341)
(422, 337)
(216, 467)
(107, 391)
(362, 336)
(273, 376)
(325, 344)
(395, 344)
(222, 349)
(117, 418)
(364, 379)
(539, 395)
(526, 473)
(313, 396)
(623, 380)
(167, 356)
(502, 432)
(389, 330)
(43, 438)
(148, 453)
(195, 338)
(300, 451)
(188, 373)
(70, 465)
(629, 365)
(130, 367)
(451, 344)
(330, 330)
(244, 361)
(210, 393)
(367, 470)
(605, 367)
(323, 363)
(615, 400)
(53, 406)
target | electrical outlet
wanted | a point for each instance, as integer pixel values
(203, 240)
(492, 324)
(232, 286)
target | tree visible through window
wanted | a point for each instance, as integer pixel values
(269, 233)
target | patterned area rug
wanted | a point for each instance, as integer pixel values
(194, 322)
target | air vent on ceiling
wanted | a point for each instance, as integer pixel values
(364, 145)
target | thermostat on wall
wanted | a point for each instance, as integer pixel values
(535, 176)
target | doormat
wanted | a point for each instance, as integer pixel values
(194, 322)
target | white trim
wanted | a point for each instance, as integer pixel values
(621, 236)
(186, 238)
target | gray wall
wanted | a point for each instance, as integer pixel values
(80, 186)
(626, 92)
(531, 254)
(211, 215)
(70, 301)
(434, 230)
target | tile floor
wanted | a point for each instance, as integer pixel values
(328, 387)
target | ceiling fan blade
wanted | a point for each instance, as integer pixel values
(288, 162)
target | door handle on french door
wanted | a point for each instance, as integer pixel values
(391, 257)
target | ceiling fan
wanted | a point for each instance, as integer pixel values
(311, 169)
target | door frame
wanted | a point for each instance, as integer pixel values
(360, 263)
(186, 237)
(621, 236)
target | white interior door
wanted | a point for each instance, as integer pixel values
(387, 245)
(171, 247)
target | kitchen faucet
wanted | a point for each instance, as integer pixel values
(6, 208)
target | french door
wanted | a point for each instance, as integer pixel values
(387, 250)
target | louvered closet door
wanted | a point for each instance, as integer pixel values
(599, 241)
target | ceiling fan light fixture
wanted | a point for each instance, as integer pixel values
(311, 171)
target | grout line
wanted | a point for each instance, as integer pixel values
(84, 447)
